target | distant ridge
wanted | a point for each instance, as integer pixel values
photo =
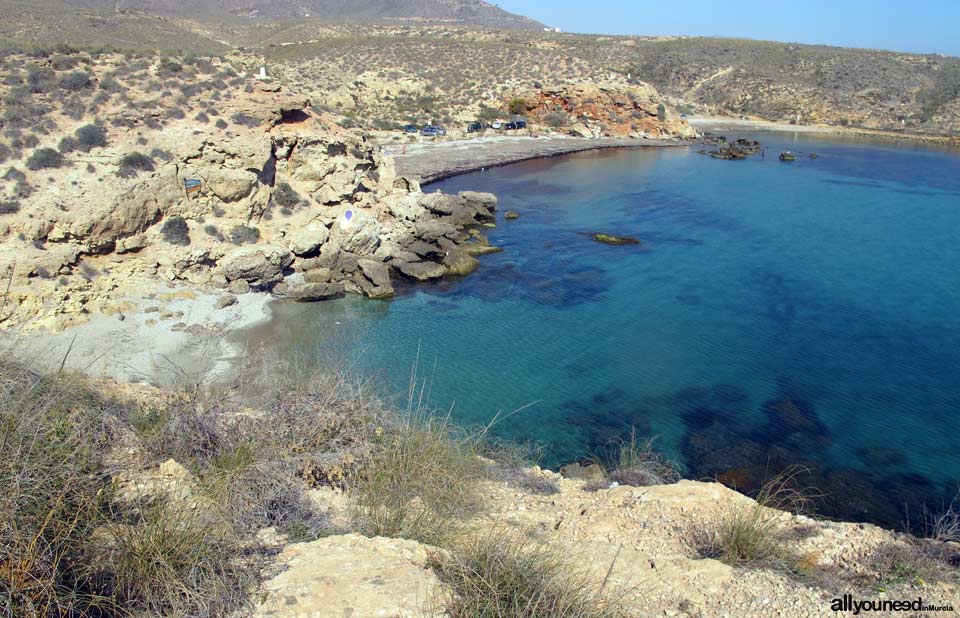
(475, 13)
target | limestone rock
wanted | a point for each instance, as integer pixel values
(357, 232)
(422, 271)
(460, 263)
(351, 575)
(229, 184)
(312, 292)
(306, 240)
(258, 265)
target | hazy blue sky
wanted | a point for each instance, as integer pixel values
(916, 26)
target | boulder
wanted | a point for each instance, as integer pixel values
(437, 203)
(229, 184)
(486, 200)
(352, 575)
(422, 271)
(306, 240)
(258, 265)
(511, 215)
(357, 232)
(311, 292)
(377, 272)
(460, 263)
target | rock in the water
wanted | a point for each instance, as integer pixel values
(510, 215)
(479, 249)
(460, 263)
(311, 292)
(352, 575)
(258, 265)
(375, 281)
(609, 239)
(422, 271)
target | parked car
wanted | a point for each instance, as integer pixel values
(432, 131)
(521, 124)
(410, 128)
(510, 126)
(496, 125)
(474, 127)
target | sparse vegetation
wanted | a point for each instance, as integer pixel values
(9, 207)
(244, 235)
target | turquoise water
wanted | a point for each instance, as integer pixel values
(774, 314)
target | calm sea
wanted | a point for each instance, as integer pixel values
(774, 314)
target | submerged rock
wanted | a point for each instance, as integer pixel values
(511, 215)
(609, 239)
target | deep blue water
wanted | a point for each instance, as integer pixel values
(775, 314)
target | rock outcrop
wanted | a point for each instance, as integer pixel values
(352, 575)
(283, 190)
(600, 110)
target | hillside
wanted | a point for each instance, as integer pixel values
(459, 12)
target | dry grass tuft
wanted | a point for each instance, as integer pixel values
(506, 575)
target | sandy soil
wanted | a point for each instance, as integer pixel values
(432, 161)
(177, 337)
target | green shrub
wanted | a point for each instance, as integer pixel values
(557, 120)
(75, 82)
(9, 207)
(175, 231)
(133, 163)
(67, 145)
(506, 575)
(221, 124)
(45, 158)
(517, 106)
(213, 232)
(285, 196)
(244, 235)
(90, 136)
(244, 120)
(661, 112)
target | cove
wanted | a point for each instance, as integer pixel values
(773, 314)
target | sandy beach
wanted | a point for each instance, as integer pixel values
(715, 124)
(178, 337)
(432, 161)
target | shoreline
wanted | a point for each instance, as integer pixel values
(429, 162)
(722, 124)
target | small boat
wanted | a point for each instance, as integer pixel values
(787, 156)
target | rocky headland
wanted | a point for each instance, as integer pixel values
(254, 192)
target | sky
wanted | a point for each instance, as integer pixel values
(921, 26)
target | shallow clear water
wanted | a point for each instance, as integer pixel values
(775, 314)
